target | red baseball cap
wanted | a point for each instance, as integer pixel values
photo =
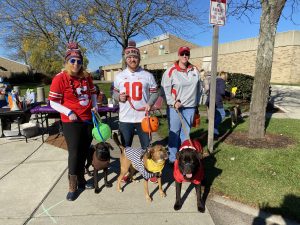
(183, 49)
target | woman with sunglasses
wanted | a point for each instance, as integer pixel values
(182, 88)
(73, 95)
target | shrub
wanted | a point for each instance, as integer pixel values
(19, 78)
(47, 80)
(157, 75)
(244, 84)
(42, 78)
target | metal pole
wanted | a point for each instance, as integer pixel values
(212, 93)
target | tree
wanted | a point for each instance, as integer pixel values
(55, 22)
(271, 13)
(122, 20)
(41, 56)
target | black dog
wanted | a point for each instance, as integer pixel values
(236, 115)
(99, 157)
(188, 167)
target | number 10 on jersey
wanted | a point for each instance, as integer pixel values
(134, 89)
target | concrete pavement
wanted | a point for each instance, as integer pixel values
(33, 188)
(286, 98)
(28, 171)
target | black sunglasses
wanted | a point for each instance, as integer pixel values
(79, 61)
(184, 53)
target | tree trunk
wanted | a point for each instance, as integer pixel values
(271, 11)
(124, 46)
(123, 59)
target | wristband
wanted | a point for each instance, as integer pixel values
(70, 113)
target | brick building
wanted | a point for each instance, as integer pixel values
(237, 57)
(161, 45)
(8, 67)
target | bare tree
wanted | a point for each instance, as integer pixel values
(55, 21)
(271, 11)
(125, 19)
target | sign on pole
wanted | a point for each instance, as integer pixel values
(217, 15)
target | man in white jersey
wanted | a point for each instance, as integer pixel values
(136, 91)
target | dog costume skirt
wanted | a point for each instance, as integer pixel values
(135, 155)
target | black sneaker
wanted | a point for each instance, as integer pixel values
(89, 185)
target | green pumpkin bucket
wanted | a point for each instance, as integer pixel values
(101, 131)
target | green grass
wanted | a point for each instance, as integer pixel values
(25, 86)
(105, 87)
(265, 178)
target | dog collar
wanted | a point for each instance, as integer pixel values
(188, 146)
(155, 167)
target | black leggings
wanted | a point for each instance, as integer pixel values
(78, 136)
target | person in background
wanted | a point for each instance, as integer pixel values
(182, 88)
(73, 95)
(203, 95)
(101, 97)
(206, 84)
(136, 91)
(219, 108)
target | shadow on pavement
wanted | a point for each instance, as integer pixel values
(289, 202)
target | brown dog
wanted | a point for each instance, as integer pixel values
(99, 157)
(188, 167)
(149, 164)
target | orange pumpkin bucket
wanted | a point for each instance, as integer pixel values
(150, 124)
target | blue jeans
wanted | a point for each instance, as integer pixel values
(176, 132)
(219, 116)
(127, 133)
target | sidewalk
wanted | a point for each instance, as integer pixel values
(34, 187)
(28, 171)
(286, 98)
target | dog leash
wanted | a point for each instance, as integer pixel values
(95, 117)
(184, 127)
(149, 130)
(147, 116)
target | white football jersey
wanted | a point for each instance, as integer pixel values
(137, 85)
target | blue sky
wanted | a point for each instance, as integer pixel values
(233, 30)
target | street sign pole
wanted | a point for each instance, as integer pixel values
(212, 92)
(217, 17)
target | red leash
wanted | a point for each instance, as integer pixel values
(147, 116)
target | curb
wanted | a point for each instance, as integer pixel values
(281, 108)
(268, 217)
